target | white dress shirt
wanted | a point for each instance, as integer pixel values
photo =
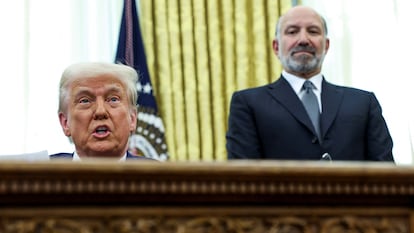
(297, 83)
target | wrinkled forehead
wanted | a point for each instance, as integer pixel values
(301, 17)
(96, 81)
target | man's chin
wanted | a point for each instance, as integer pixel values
(302, 66)
(303, 59)
(104, 151)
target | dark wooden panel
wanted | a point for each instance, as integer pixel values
(237, 196)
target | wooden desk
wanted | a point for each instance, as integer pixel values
(228, 197)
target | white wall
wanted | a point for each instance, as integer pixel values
(39, 39)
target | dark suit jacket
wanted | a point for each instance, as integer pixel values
(70, 156)
(270, 122)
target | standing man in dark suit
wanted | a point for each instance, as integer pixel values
(272, 122)
(97, 110)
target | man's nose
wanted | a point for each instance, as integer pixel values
(100, 112)
(303, 38)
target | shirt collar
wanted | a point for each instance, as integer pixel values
(77, 158)
(297, 82)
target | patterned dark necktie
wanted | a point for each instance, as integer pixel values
(311, 104)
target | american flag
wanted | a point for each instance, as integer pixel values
(149, 137)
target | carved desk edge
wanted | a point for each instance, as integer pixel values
(205, 183)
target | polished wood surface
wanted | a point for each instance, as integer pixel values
(236, 196)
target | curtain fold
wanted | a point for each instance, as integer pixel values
(199, 52)
(218, 102)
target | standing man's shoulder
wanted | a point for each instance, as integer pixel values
(254, 91)
(131, 156)
(352, 91)
(250, 90)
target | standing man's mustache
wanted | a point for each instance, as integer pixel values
(301, 48)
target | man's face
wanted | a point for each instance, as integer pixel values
(301, 44)
(98, 116)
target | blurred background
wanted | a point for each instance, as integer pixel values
(198, 53)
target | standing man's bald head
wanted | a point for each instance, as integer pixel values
(299, 8)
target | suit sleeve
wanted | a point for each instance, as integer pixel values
(242, 136)
(379, 141)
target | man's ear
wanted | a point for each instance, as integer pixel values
(64, 123)
(133, 123)
(327, 43)
(275, 46)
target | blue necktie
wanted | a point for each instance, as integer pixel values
(311, 104)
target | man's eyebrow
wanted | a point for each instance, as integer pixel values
(114, 88)
(89, 91)
(291, 26)
(315, 26)
(82, 91)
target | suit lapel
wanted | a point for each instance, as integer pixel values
(136, 157)
(286, 96)
(331, 98)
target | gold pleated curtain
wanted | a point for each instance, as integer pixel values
(199, 52)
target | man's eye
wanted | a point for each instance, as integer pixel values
(113, 99)
(84, 101)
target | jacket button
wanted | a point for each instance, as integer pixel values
(314, 140)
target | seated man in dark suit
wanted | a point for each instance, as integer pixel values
(301, 116)
(97, 110)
